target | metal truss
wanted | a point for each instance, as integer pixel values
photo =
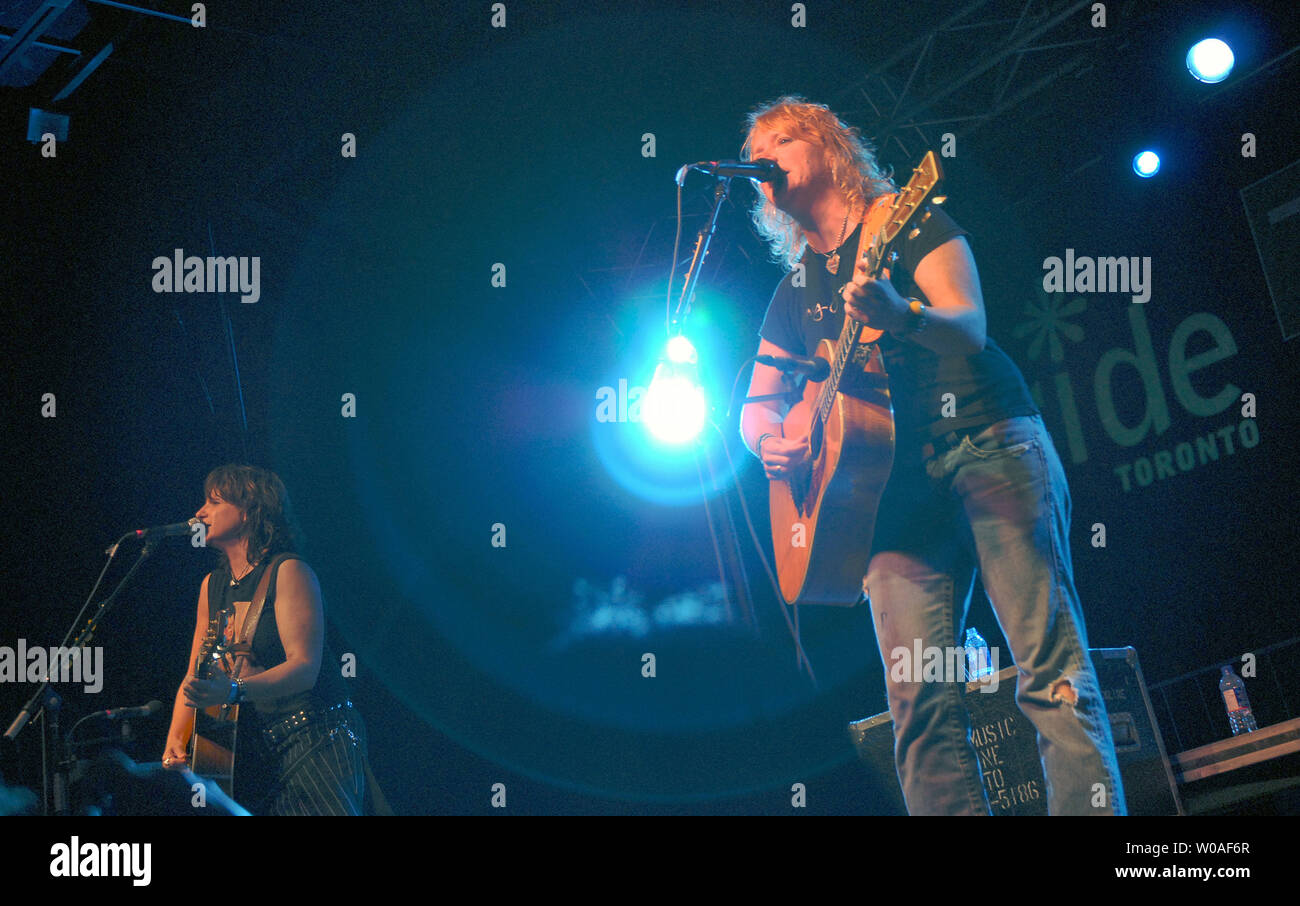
(986, 59)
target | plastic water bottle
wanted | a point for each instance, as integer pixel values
(1233, 691)
(978, 660)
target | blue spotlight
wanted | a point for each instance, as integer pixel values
(682, 351)
(1146, 164)
(674, 409)
(1210, 60)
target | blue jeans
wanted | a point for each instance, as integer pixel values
(996, 500)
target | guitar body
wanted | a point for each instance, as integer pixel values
(212, 746)
(852, 457)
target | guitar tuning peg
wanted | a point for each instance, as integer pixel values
(926, 215)
(939, 199)
(916, 231)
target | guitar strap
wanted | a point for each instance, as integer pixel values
(243, 647)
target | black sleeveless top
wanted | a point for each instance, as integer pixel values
(268, 650)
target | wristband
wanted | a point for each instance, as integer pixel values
(758, 447)
(917, 321)
(234, 693)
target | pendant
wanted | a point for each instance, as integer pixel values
(833, 262)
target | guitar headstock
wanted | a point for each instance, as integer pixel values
(911, 203)
(213, 645)
(912, 197)
(204, 657)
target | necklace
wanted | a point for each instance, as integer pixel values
(833, 262)
(234, 583)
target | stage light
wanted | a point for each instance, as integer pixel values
(1210, 60)
(673, 409)
(682, 351)
(1146, 164)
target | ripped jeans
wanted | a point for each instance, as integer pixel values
(996, 499)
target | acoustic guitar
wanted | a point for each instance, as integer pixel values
(823, 515)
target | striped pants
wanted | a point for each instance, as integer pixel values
(321, 770)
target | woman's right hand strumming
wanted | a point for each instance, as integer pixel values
(175, 756)
(782, 456)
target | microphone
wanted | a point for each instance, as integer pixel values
(143, 711)
(763, 170)
(166, 531)
(817, 368)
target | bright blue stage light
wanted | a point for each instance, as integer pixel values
(682, 351)
(674, 409)
(1146, 164)
(1210, 60)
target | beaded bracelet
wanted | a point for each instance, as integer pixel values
(918, 321)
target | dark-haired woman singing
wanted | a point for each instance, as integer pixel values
(310, 753)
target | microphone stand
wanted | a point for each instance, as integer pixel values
(54, 765)
(720, 192)
(722, 529)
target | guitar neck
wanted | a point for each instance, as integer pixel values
(872, 260)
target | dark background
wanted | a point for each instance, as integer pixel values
(475, 404)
